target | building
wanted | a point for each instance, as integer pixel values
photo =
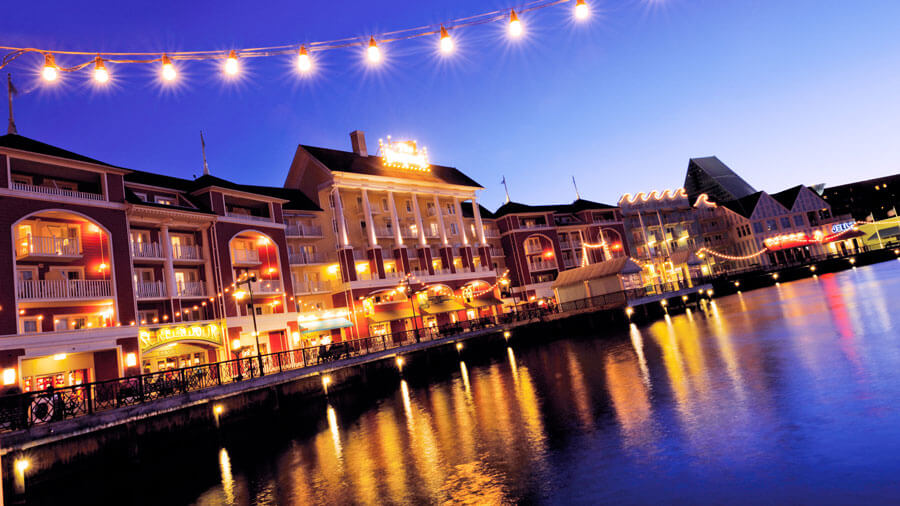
(392, 250)
(710, 176)
(116, 271)
(872, 199)
(539, 242)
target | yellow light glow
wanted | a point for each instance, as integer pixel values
(446, 41)
(22, 465)
(326, 380)
(629, 311)
(168, 69)
(515, 26)
(50, 72)
(130, 360)
(399, 362)
(240, 294)
(59, 356)
(459, 346)
(9, 376)
(231, 64)
(404, 155)
(582, 11)
(362, 267)
(217, 409)
(373, 53)
(507, 334)
(235, 344)
(304, 62)
(101, 75)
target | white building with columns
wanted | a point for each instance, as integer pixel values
(388, 217)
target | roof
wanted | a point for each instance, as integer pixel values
(22, 143)
(466, 208)
(744, 206)
(788, 197)
(612, 267)
(347, 161)
(576, 206)
(710, 176)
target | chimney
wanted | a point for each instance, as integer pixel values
(358, 141)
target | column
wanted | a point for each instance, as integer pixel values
(423, 251)
(208, 272)
(459, 222)
(345, 253)
(479, 226)
(376, 260)
(168, 266)
(420, 228)
(370, 225)
(465, 251)
(440, 217)
(401, 254)
(445, 251)
(339, 216)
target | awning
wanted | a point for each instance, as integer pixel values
(885, 233)
(441, 306)
(484, 301)
(390, 315)
(612, 267)
(320, 325)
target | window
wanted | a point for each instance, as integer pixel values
(757, 227)
(148, 316)
(434, 229)
(453, 229)
(824, 214)
(798, 220)
(142, 196)
(77, 322)
(785, 222)
(26, 273)
(140, 236)
(331, 200)
(384, 205)
(409, 206)
(21, 179)
(70, 273)
(771, 225)
(30, 324)
(166, 201)
(143, 275)
(63, 185)
(451, 210)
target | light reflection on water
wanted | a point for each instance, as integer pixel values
(785, 394)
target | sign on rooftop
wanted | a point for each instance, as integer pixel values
(403, 155)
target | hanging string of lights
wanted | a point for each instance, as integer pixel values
(304, 52)
(723, 256)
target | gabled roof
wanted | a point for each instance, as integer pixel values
(788, 197)
(710, 176)
(466, 208)
(744, 206)
(22, 143)
(347, 161)
(576, 206)
(611, 267)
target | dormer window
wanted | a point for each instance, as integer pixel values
(21, 179)
(166, 201)
(142, 196)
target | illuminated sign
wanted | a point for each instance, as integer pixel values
(403, 155)
(152, 338)
(837, 228)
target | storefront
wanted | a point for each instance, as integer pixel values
(178, 346)
(322, 327)
(60, 370)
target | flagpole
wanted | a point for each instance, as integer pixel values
(10, 91)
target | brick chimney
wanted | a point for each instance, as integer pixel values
(358, 141)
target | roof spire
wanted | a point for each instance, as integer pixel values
(503, 182)
(203, 148)
(577, 195)
(11, 91)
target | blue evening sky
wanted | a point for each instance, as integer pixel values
(784, 92)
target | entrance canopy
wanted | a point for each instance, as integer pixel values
(436, 305)
(390, 315)
(322, 325)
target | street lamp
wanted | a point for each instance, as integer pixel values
(249, 282)
(411, 296)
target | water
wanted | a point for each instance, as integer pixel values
(787, 394)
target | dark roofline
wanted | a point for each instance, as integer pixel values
(575, 207)
(22, 143)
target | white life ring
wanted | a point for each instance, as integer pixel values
(42, 410)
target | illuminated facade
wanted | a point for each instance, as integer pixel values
(387, 218)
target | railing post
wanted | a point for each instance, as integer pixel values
(183, 382)
(90, 399)
(280, 368)
(218, 373)
(140, 379)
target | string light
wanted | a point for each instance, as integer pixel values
(582, 11)
(50, 71)
(446, 41)
(515, 26)
(304, 63)
(231, 64)
(101, 75)
(168, 69)
(373, 53)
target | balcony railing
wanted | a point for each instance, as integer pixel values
(188, 252)
(496, 252)
(542, 266)
(44, 289)
(249, 217)
(303, 231)
(47, 246)
(490, 232)
(266, 286)
(56, 192)
(245, 256)
(533, 250)
(565, 245)
(150, 290)
(406, 233)
(312, 287)
(569, 263)
(191, 289)
(384, 232)
(303, 258)
(146, 250)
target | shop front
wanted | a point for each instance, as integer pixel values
(177, 346)
(321, 327)
(60, 370)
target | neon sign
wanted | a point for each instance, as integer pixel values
(403, 155)
(152, 338)
(803, 239)
(837, 228)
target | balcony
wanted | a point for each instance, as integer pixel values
(565, 245)
(497, 252)
(545, 265)
(531, 249)
(383, 232)
(303, 258)
(307, 287)
(185, 252)
(569, 263)
(191, 289)
(406, 233)
(150, 290)
(63, 289)
(303, 231)
(491, 233)
(147, 250)
(245, 256)
(247, 217)
(56, 192)
(265, 287)
(47, 248)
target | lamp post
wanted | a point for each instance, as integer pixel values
(249, 282)
(412, 302)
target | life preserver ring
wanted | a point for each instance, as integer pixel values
(42, 410)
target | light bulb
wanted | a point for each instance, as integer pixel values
(168, 70)
(515, 26)
(304, 62)
(231, 64)
(582, 11)
(446, 41)
(100, 73)
(373, 53)
(50, 71)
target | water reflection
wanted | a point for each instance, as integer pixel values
(784, 394)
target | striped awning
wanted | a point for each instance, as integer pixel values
(328, 324)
